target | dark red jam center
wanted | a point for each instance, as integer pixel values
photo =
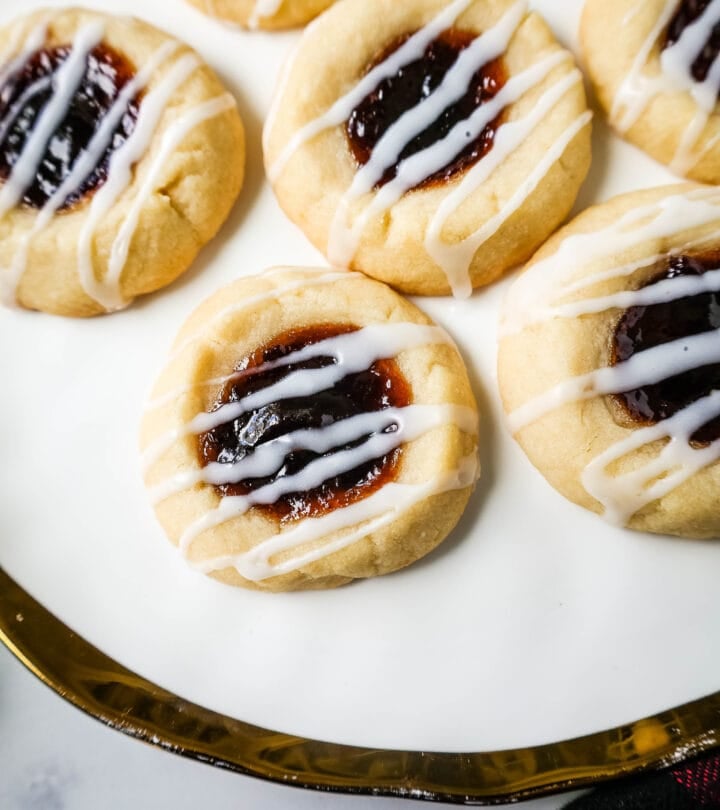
(689, 11)
(643, 327)
(412, 84)
(25, 94)
(379, 387)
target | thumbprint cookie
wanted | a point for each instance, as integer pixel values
(310, 428)
(429, 144)
(120, 155)
(660, 79)
(609, 360)
(266, 15)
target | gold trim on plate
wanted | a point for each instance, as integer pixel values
(129, 703)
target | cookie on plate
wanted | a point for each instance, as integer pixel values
(311, 427)
(653, 66)
(430, 144)
(121, 154)
(267, 15)
(609, 361)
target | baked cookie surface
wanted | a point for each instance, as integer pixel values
(311, 427)
(609, 361)
(429, 144)
(121, 155)
(267, 15)
(657, 81)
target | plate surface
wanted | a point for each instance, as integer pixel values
(133, 705)
(534, 622)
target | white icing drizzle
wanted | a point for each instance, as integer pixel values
(371, 514)
(662, 292)
(411, 421)
(537, 296)
(676, 62)
(317, 278)
(353, 352)
(16, 107)
(624, 495)
(340, 111)
(455, 259)
(348, 224)
(677, 59)
(34, 40)
(310, 278)
(534, 294)
(644, 368)
(343, 241)
(263, 9)
(106, 292)
(171, 140)
(84, 165)
(66, 81)
(318, 471)
(637, 89)
(631, 13)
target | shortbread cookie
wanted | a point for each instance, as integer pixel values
(120, 156)
(609, 360)
(430, 144)
(311, 427)
(653, 65)
(264, 14)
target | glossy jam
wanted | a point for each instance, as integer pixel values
(381, 386)
(410, 85)
(24, 96)
(646, 326)
(688, 11)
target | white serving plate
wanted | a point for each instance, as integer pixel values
(534, 622)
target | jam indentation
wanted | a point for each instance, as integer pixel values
(25, 94)
(412, 84)
(377, 388)
(688, 11)
(643, 327)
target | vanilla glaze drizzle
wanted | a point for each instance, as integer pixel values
(538, 295)
(638, 89)
(105, 289)
(358, 206)
(369, 434)
(263, 9)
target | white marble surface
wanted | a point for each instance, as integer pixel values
(53, 757)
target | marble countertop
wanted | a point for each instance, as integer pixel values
(56, 758)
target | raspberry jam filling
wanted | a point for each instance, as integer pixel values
(25, 94)
(379, 387)
(412, 84)
(643, 327)
(688, 11)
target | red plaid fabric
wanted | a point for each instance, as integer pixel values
(701, 780)
(694, 785)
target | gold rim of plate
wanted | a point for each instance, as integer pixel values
(129, 703)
